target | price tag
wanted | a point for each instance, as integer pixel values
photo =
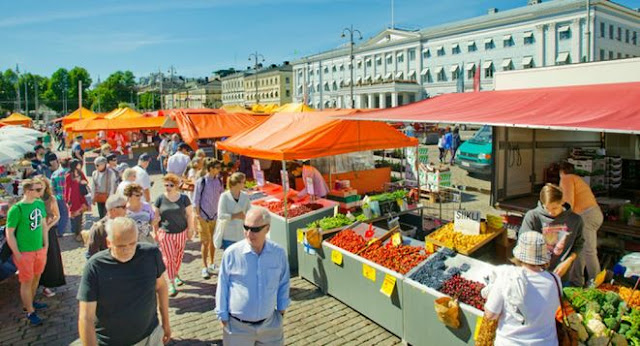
(336, 257)
(372, 240)
(429, 247)
(335, 211)
(396, 239)
(467, 222)
(300, 236)
(388, 285)
(309, 184)
(259, 178)
(477, 329)
(368, 272)
(256, 163)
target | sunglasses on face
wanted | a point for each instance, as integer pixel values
(254, 229)
(169, 185)
(120, 207)
(136, 195)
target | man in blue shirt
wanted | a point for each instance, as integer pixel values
(253, 286)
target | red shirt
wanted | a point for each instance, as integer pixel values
(72, 195)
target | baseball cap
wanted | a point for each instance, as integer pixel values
(100, 160)
(38, 147)
(112, 157)
(144, 157)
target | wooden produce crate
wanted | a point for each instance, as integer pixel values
(488, 237)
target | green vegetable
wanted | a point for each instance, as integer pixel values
(610, 322)
(390, 196)
(331, 222)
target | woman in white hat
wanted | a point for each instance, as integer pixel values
(524, 299)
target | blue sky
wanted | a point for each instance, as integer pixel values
(200, 36)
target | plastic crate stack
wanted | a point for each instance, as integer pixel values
(591, 165)
(613, 179)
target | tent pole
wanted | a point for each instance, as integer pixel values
(330, 161)
(285, 189)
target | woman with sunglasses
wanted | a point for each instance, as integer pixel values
(176, 226)
(75, 190)
(53, 275)
(141, 212)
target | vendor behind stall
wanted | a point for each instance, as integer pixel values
(579, 195)
(320, 187)
(561, 228)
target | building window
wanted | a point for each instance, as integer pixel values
(287, 93)
(286, 80)
(610, 32)
(528, 38)
(563, 58)
(326, 70)
(389, 60)
(508, 41)
(626, 36)
(634, 38)
(442, 77)
(488, 44)
(471, 73)
(326, 86)
(412, 54)
(601, 54)
(564, 33)
(400, 58)
(610, 55)
(602, 29)
(507, 65)
(426, 78)
(359, 64)
(334, 86)
(619, 37)
(369, 62)
(341, 67)
(379, 61)
(619, 55)
(472, 47)
(527, 62)
(441, 51)
(426, 53)
(311, 73)
(488, 72)
(455, 49)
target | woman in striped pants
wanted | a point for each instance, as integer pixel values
(176, 226)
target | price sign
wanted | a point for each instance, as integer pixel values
(309, 183)
(368, 272)
(429, 247)
(300, 236)
(396, 239)
(388, 285)
(336, 257)
(256, 163)
(467, 222)
(259, 175)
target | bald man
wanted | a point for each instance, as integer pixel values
(251, 303)
(127, 281)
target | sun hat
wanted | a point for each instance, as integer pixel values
(532, 249)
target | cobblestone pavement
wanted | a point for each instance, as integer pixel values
(312, 319)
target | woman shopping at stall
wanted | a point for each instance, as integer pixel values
(141, 212)
(53, 275)
(561, 228)
(578, 194)
(524, 298)
(232, 207)
(75, 190)
(176, 226)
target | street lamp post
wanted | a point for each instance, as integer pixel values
(255, 56)
(350, 30)
(172, 71)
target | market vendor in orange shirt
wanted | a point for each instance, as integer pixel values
(320, 188)
(578, 194)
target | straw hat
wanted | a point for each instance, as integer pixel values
(532, 249)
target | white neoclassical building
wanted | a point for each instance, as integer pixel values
(397, 67)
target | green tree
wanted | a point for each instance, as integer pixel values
(8, 94)
(33, 83)
(78, 74)
(58, 85)
(148, 100)
(118, 87)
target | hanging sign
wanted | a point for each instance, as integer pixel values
(467, 222)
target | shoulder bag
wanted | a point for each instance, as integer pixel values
(101, 197)
(566, 335)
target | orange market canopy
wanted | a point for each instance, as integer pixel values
(123, 113)
(17, 119)
(79, 114)
(295, 136)
(118, 124)
(197, 124)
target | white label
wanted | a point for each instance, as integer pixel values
(309, 183)
(285, 178)
(259, 178)
(256, 163)
(467, 222)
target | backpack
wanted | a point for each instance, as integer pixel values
(5, 250)
(204, 184)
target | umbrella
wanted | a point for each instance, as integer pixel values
(16, 145)
(5, 158)
(20, 131)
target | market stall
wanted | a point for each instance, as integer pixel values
(78, 114)
(298, 136)
(18, 120)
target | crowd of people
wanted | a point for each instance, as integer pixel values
(135, 250)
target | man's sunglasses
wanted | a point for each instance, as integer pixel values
(254, 229)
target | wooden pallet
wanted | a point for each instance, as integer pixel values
(435, 197)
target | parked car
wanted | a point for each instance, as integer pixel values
(474, 155)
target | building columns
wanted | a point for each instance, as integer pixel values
(370, 101)
(394, 99)
(383, 100)
(576, 39)
(553, 41)
(540, 35)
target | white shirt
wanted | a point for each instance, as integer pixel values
(541, 301)
(177, 163)
(142, 178)
(233, 230)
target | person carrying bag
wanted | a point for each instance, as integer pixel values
(232, 207)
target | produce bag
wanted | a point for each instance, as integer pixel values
(448, 311)
(314, 237)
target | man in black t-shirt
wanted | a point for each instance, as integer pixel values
(120, 290)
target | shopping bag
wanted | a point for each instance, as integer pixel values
(448, 311)
(314, 237)
(218, 233)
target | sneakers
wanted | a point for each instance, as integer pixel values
(39, 306)
(172, 290)
(47, 292)
(178, 282)
(205, 273)
(34, 320)
(212, 269)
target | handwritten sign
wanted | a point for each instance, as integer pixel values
(388, 285)
(256, 163)
(336, 257)
(467, 222)
(260, 178)
(396, 239)
(368, 272)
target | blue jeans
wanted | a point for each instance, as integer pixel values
(64, 216)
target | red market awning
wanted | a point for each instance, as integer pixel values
(604, 107)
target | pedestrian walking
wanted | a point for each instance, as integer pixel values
(577, 193)
(176, 226)
(62, 139)
(27, 236)
(97, 237)
(76, 189)
(112, 164)
(207, 193)
(142, 213)
(121, 291)
(128, 177)
(53, 274)
(253, 286)
(142, 177)
(442, 152)
(455, 144)
(232, 207)
(76, 148)
(163, 152)
(178, 162)
(103, 184)
(195, 170)
(174, 144)
(448, 141)
(58, 176)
